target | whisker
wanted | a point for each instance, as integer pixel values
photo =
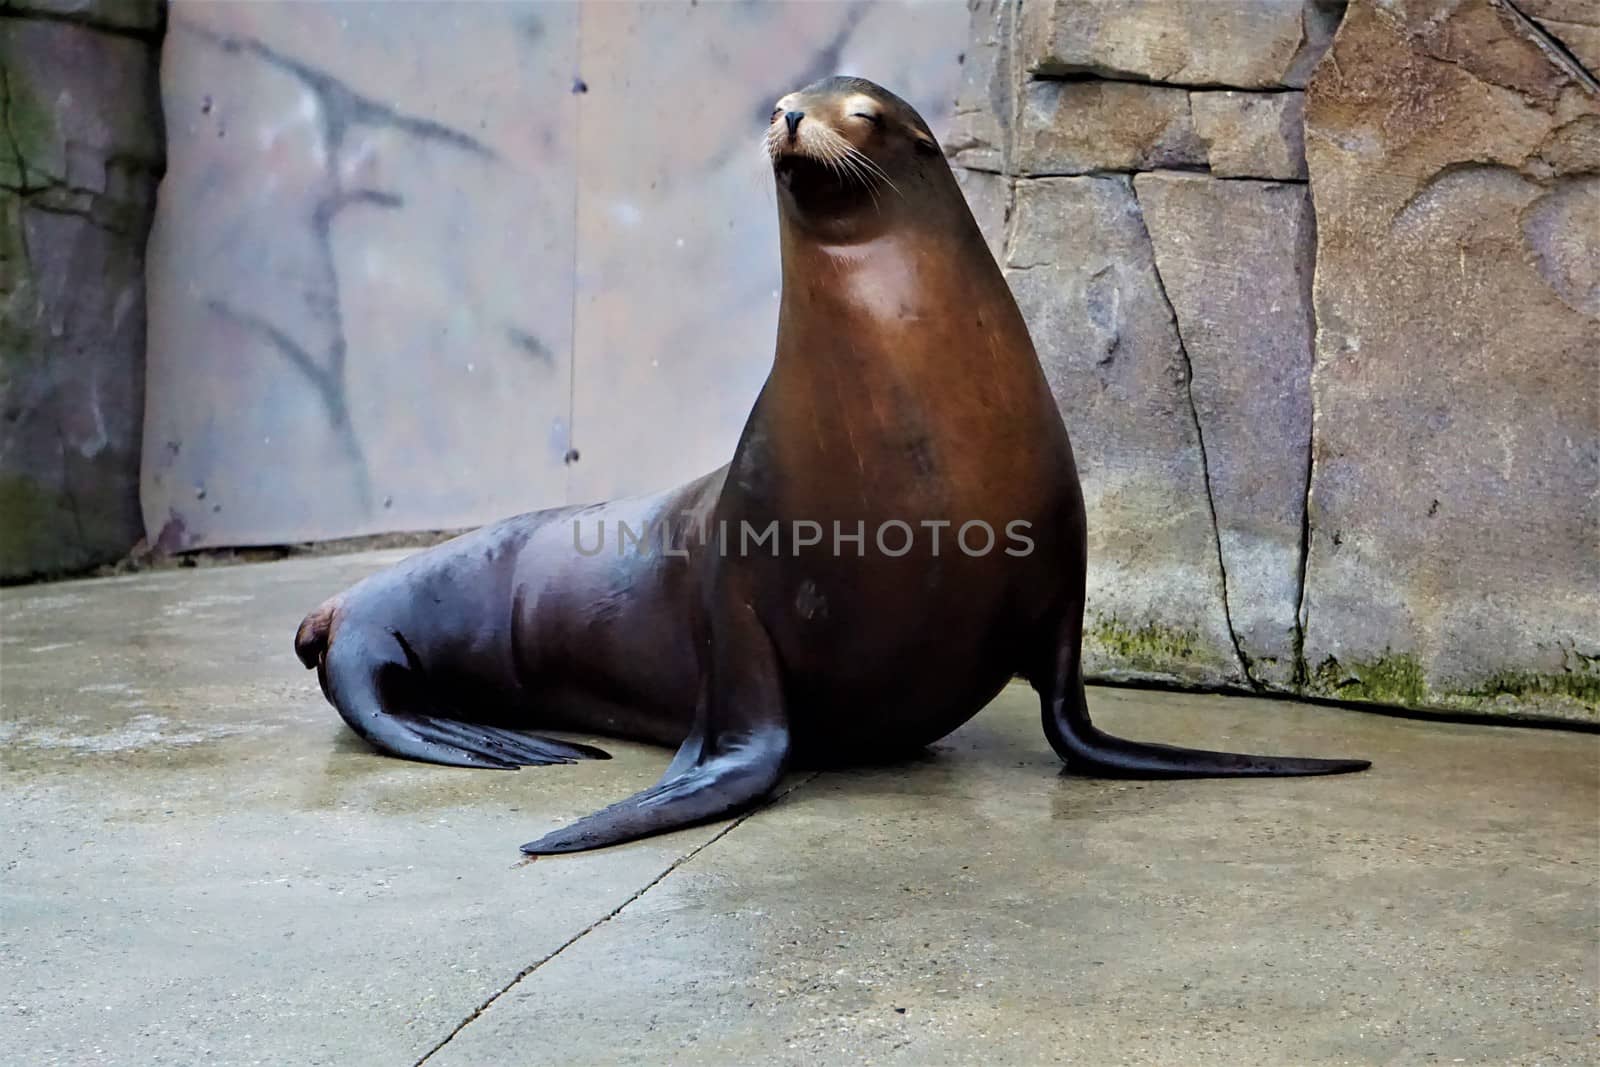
(853, 160)
(824, 153)
(842, 166)
(837, 146)
(866, 183)
(853, 168)
(846, 162)
(867, 163)
(857, 154)
(763, 174)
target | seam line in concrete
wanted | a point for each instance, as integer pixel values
(612, 914)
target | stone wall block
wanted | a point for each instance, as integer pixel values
(980, 127)
(1252, 135)
(1246, 44)
(1075, 127)
(1455, 494)
(1235, 259)
(1081, 266)
(78, 107)
(79, 161)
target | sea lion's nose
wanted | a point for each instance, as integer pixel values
(793, 119)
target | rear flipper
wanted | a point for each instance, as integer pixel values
(456, 743)
(369, 678)
(732, 758)
(1086, 749)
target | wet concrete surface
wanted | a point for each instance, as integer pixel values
(202, 865)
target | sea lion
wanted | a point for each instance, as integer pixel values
(905, 396)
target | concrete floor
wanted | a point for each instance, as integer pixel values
(203, 865)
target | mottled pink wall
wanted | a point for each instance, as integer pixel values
(410, 259)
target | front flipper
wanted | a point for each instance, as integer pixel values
(367, 677)
(723, 785)
(1086, 749)
(733, 757)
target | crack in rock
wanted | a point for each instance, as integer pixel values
(1245, 666)
(1555, 47)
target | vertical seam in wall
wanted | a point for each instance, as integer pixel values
(572, 320)
(1302, 673)
(11, 137)
(1014, 74)
(1301, 678)
(1200, 437)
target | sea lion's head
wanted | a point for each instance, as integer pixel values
(850, 157)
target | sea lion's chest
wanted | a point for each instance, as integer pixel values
(887, 442)
(908, 453)
(899, 539)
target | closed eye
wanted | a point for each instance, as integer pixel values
(876, 120)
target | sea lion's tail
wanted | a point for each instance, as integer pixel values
(311, 640)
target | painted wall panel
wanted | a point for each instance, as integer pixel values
(418, 266)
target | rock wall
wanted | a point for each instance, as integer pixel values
(80, 155)
(425, 265)
(1318, 291)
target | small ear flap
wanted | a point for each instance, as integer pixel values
(927, 146)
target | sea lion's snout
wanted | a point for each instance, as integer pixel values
(806, 126)
(787, 139)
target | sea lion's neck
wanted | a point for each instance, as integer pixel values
(888, 294)
(908, 338)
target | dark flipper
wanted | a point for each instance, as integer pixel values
(427, 737)
(365, 675)
(722, 785)
(733, 757)
(1087, 749)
